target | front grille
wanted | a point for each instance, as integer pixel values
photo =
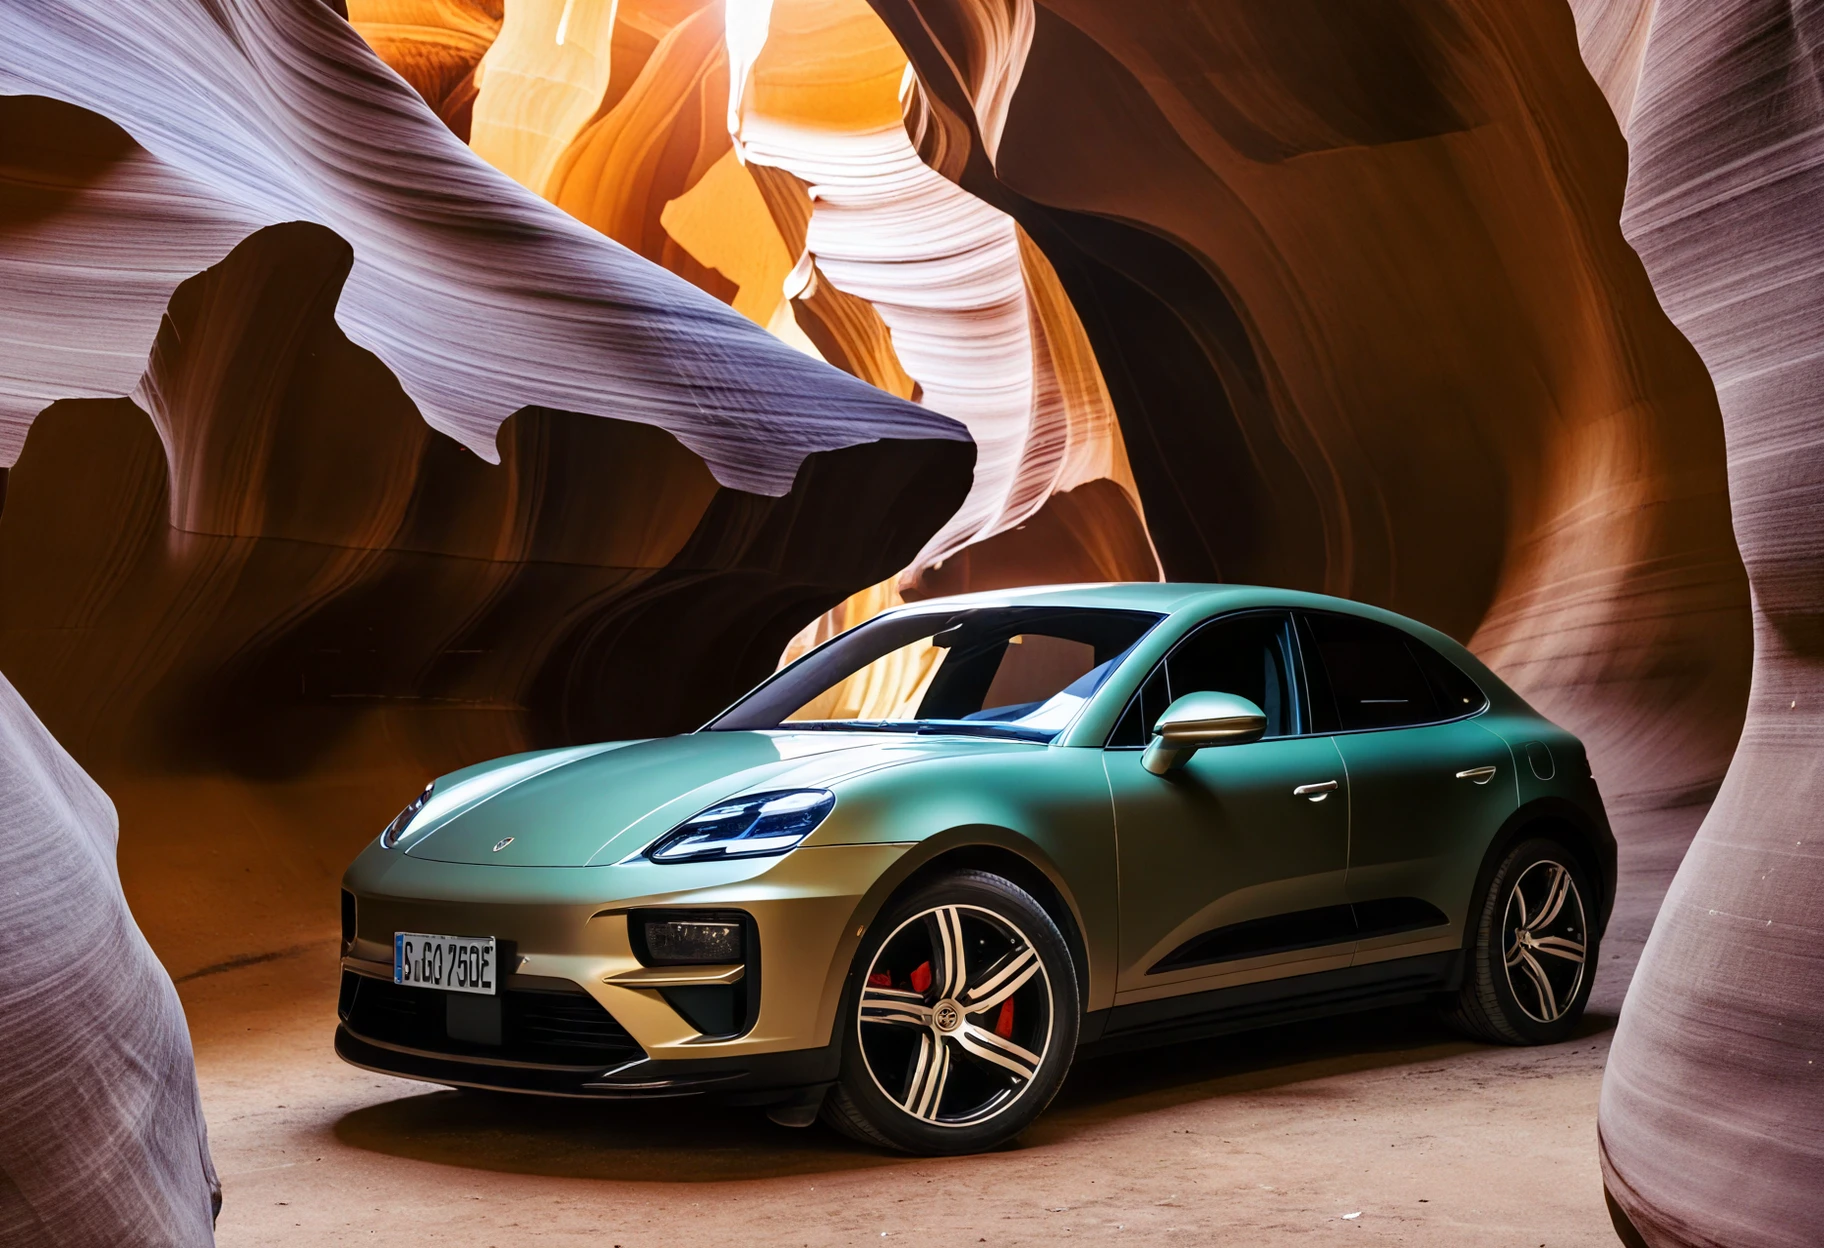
(546, 1028)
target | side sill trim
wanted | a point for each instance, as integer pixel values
(1269, 1002)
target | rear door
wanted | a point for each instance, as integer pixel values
(1429, 786)
(1228, 873)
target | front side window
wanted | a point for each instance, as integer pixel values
(1247, 655)
(1021, 672)
(1364, 674)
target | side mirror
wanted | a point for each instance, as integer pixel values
(1197, 720)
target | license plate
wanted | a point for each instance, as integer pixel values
(452, 963)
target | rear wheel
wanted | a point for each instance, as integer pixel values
(960, 1021)
(1534, 953)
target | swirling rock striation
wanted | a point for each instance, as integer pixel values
(104, 1140)
(266, 113)
(436, 45)
(1355, 282)
(974, 312)
(1712, 1114)
(416, 470)
(276, 573)
(811, 214)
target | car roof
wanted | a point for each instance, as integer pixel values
(1165, 597)
(1179, 599)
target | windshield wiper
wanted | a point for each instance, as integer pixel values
(981, 728)
(923, 727)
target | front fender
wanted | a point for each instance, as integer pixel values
(1048, 809)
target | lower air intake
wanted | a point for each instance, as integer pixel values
(544, 1028)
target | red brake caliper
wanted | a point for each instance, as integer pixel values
(1003, 1025)
(921, 977)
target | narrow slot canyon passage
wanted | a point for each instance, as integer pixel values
(389, 388)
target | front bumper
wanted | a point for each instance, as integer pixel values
(757, 1079)
(578, 1013)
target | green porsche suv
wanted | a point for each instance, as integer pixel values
(904, 882)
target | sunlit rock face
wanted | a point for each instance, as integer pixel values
(290, 388)
(760, 151)
(975, 313)
(1712, 1116)
(261, 114)
(335, 459)
(266, 567)
(104, 1140)
(1355, 281)
(436, 45)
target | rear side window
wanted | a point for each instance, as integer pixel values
(1369, 675)
(1457, 694)
(1249, 655)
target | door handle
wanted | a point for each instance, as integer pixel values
(1316, 792)
(1477, 775)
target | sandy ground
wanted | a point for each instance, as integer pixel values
(1379, 1128)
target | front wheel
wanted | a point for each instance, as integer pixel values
(960, 1022)
(1534, 952)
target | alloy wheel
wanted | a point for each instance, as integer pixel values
(1544, 940)
(956, 1015)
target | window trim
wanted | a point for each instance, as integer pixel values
(1302, 663)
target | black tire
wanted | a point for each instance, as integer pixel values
(1527, 981)
(928, 1074)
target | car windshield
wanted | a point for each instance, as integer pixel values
(1020, 672)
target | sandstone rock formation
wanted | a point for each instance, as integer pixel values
(1355, 281)
(416, 469)
(436, 45)
(276, 570)
(811, 213)
(1712, 1118)
(104, 1140)
(976, 316)
(345, 456)
(258, 114)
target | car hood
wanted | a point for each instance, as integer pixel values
(598, 804)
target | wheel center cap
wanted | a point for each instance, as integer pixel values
(946, 1016)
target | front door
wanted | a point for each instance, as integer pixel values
(1232, 867)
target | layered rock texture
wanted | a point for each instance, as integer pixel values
(337, 459)
(1712, 1118)
(254, 115)
(387, 392)
(811, 213)
(104, 1140)
(1355, 280)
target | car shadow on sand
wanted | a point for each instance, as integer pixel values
(695, 1141)
(1122, 1085)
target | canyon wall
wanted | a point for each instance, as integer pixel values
(381, 395)
(1356, 281)
(1712, 1116)
(104, 1140)
(334, 459)
(759, 152)
(341, 463)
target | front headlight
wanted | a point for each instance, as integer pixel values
(396, 829)
(746, 827)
